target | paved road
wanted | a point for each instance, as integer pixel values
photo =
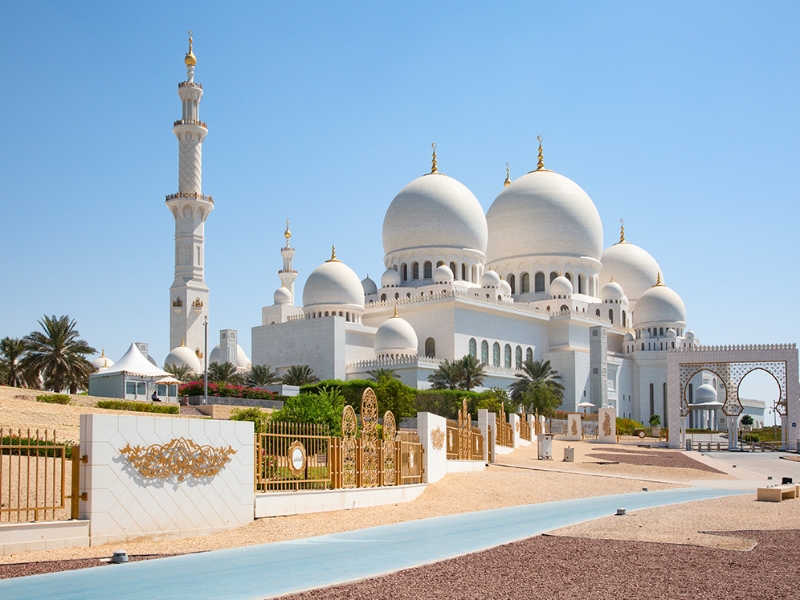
(275, 569)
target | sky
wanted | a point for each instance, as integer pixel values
(680, 117)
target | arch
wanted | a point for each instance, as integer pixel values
(526, 283)
(430, 348)
(564, 308)
(496, 354)
(454, 270)
(485, 352)
(539, 282)
(415, 270)
(553, 275)
(463, 271)
(652, 400)
(529, 354)
(473, 348)
(404, 269)
(518, 357)
(397, 295)
(383, 297)
(439, 263)
(611, 315)
(427, 270)
(580, 283)
(597, 312)
(569, 277)
(625, 319)
(507, 356)
(512, 281)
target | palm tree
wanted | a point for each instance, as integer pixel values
(449, 376)
(538, 388)
(261, 375)
(222, 373)
(12, 351)
(58, 354)
(473, 371)
(299, 375)
(182, 372)
(381, 373)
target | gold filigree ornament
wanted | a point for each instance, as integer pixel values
(179, 458)
(437, 437)
(297, 458)
(607, 425)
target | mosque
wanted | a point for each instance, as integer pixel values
(528, 279)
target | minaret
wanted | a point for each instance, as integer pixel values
(189, 293)
(287, 274)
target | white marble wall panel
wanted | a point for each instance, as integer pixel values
(434, 460)
(607, 416)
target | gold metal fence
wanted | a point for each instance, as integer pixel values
(409, 451)
(294, 456)
(37, 476)
(524, 430)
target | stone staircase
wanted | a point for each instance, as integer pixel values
(191, 411)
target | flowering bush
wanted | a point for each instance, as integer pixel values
(195, 388)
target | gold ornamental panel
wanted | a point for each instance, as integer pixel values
(607, 425)
(349, 448)
(369, 439)
(389, 449)
(179, 458)
(437, 438)
(297, 458)
(464, 432)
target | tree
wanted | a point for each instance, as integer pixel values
(448, 376)
(473, 371)
(538, 388)
(12, 350)
(394, 395)
(182, 372)
(58, 354)
(747, 420)
(223, 373)
(325, 408)
(655, 420)
(299, 375)
(381, 374)
(260, 376)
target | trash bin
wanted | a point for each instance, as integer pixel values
(569, 454)
(545, 446)
(786, 481)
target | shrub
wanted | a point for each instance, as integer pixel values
(627, 426)
(54, 399)
(16, 440)
(751, 437)
(392, 394)
(324, 408)
(224, 390)
(252, 414)
(151, 407)
(655, 420)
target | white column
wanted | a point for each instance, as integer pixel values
(513, 420)
(432, 430)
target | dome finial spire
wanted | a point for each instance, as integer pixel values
(507, 182)
(658, 280)
(287, 234)
(622, 231)
(434, 168)
(394, 316)
(333, 255)
(540, 164)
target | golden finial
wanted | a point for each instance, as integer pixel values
(183, 342)
(333, 255)
(507, 182)
(191, 59)
(612, 279)
(287, 234)
(622, 231)
(394, 316)
(434, 169)
(540, 165)
(103, 353)
(658, 280)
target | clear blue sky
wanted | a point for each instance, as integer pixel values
(681, 117)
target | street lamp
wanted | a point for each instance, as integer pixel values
(205, 360)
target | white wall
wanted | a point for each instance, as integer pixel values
(122, 505)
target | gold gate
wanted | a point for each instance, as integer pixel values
(369, 439)
(349, 448)
(389, 475)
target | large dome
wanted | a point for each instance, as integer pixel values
(395, 337)
(659, 304)
(434, 211)
(630, 266)
(102, 361)
(333, 282)
(543, 213)
(183, 356)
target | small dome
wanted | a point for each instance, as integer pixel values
(369, 286)
(490, 279)
(631, 266)
(282, 296)
(612, 292)
(434, 211)
(102, 361)
(689, 334)
(560, 286)
(442, 274)
(242, 362)
(671, 333)
(182, 356)
(645, 334)
(333, 282)
(659, 304)
(395, 336)
(390, 278)
(705, 393)
(628, 337)
(505, 288)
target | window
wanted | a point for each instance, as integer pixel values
(463, 272)
(428, 270)
(507, 357)
(496, 354)
(597, 312)
(519, 357)
(415, 270)
(453, 269)
(539, 282)
(611, 315)
(666, 424)
(473, 348)
(691, 393)
(439, 263)
(553, 275)
(383, 297)
(569, 277)
(404, 268)
(624, 319)
(580, 284)
(661, 331)
(430, 348)
(652, 400)
(564, 308)
(529, 354)
(512, 281)
(485, 352)
(526, 283)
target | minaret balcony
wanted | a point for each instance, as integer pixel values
(190, 84)
(193, 195)
(190, 122)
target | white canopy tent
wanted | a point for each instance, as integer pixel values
(133, 377)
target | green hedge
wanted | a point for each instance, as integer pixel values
(54, 399)
(151, 407)
(15, 440)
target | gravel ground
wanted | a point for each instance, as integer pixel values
(38, 568)
(554, 567)
(669, 459)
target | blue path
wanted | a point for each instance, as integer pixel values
(275, 569)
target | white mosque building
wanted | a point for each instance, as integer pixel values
(528, 279)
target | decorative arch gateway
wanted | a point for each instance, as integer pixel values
(732, 364)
